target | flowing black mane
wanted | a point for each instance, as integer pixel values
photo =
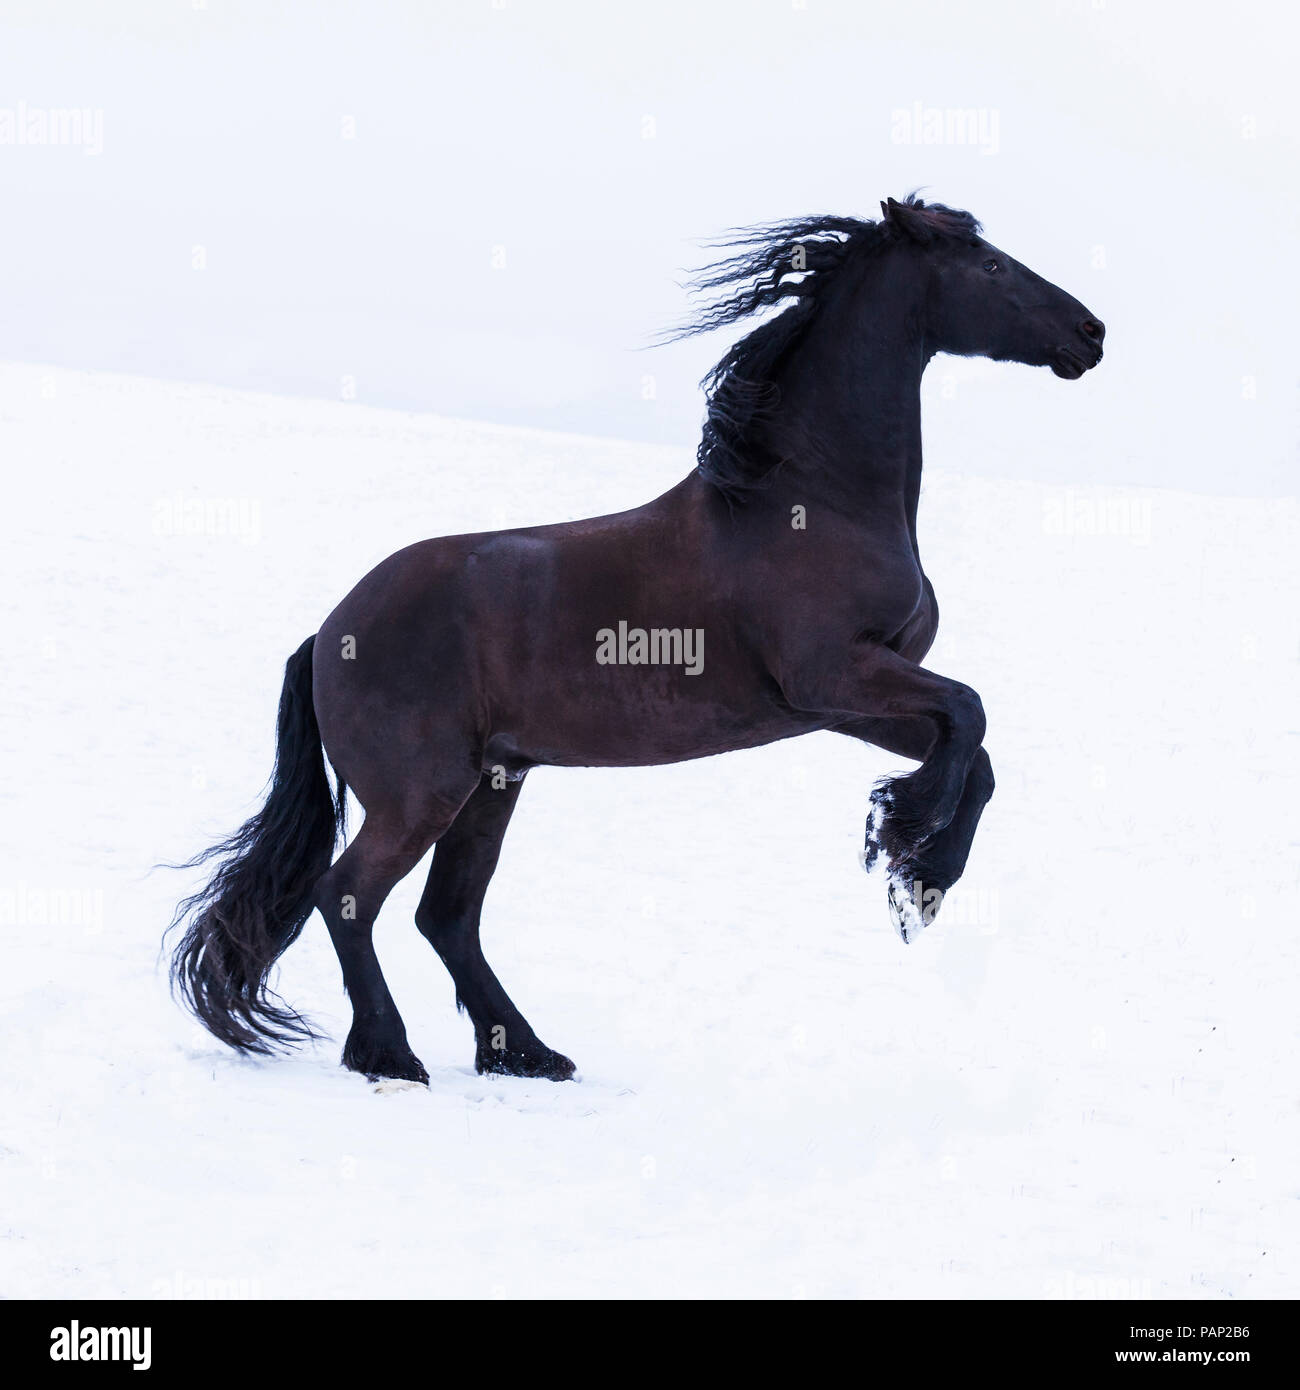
(796, 260)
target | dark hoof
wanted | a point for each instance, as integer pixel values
(538, 1062)
(385, 1063)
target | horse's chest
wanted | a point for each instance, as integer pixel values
(893, 602)
(891, 594)
(916, 633)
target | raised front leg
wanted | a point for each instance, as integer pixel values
(940, 722)
(448, 916)
(939, 861)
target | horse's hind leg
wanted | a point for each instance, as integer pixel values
(448, 916)
(349, 896)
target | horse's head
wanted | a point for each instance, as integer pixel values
(982, 303)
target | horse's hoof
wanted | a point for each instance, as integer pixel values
(384, 1063)
(397, 1074)
(542, 1064)
(912, 904)
(908, 921)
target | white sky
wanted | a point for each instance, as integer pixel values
(596, 143)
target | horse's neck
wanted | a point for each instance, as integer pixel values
(849, 422)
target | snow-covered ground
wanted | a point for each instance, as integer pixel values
(1080, 1082)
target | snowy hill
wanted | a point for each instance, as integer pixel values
(1078, 1083)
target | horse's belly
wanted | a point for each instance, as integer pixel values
(630, 718)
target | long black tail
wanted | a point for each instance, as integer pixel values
(257, 901)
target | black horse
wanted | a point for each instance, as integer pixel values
(775, 591)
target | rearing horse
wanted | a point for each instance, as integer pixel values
(775, 591)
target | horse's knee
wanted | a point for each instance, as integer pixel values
(966, 712)
(980, 781)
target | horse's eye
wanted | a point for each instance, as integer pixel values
(991, 267)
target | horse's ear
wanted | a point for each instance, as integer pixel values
(907, 219)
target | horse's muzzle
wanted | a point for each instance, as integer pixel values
(1071, 362)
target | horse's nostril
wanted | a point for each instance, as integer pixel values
(1093, 329)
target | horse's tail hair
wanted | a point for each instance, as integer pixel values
(256, 902)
